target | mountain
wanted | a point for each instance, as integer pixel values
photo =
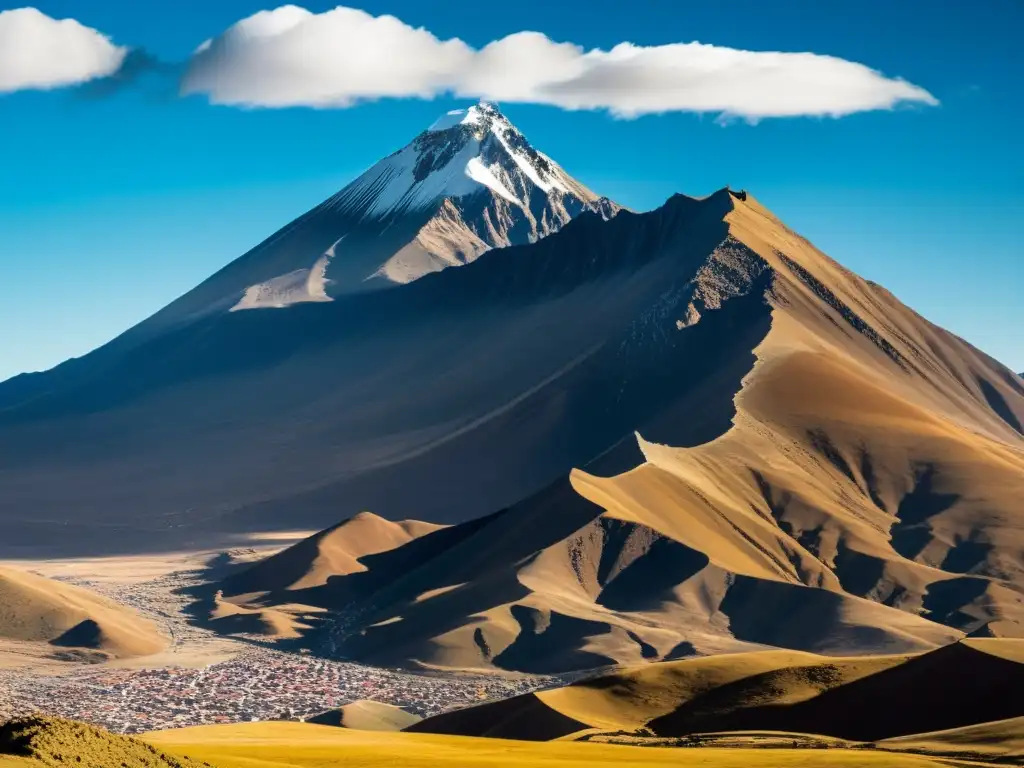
(469, 183)
(307, 565)
(816, 468)
(649, 436)
(334, 552)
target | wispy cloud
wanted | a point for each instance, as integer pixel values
(40, 53)
(292, 57)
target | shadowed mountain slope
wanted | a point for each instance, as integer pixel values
(457, 394)
(665, 430)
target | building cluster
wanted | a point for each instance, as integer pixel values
(260, 684)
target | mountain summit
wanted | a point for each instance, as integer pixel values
(469, 183)
(484, 184)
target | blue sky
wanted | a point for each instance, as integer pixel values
(112, 206)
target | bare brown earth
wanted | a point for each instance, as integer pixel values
(254, 605)
(865, 500)
(334, 552)
(860, 699)
(37, 610)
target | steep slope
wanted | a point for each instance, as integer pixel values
(554, 584)
(808, 447)
(860, 699)
(36, 609)
(272, 597)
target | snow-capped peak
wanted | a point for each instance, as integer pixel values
(468, 184)
(465, 151)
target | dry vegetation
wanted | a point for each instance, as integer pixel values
(58, 743)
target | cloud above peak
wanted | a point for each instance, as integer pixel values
(292, 57)
(40, 53)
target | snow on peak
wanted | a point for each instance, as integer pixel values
(470, 183)
(480, 114)
(464, 152)
(470, 116)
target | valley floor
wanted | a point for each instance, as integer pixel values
(204, 678)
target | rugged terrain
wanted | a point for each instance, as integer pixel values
(815, 467)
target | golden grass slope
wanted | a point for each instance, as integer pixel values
(860, 699)
(865, 500)
(37, 609)
(302, 745)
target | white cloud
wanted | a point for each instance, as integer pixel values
(39, 53)
(291, 57)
